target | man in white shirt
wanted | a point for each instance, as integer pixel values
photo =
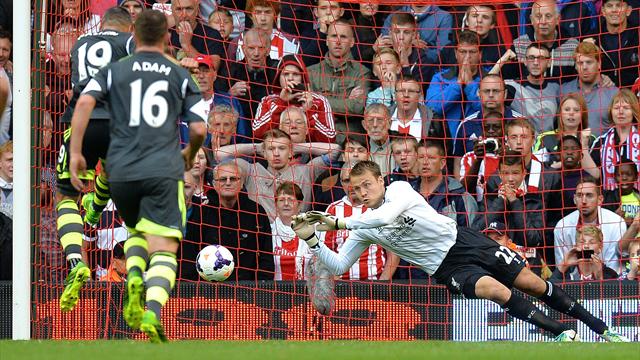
(588, 199)
(466, 261)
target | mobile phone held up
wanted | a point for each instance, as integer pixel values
(298, 88)
(585, 254)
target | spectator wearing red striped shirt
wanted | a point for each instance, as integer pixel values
(264, 15)
(289, 253)
(375, 263)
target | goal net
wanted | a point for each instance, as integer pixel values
(517, 119)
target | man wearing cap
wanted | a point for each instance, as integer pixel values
(134, 7)
(497, 231)
(206, 74)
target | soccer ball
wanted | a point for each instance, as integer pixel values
(214, 263)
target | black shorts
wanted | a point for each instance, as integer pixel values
(473, 256)
(152, 206)
(95, 145)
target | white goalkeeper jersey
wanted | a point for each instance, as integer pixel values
(404, 224)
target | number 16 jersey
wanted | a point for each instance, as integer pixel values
(146, 94)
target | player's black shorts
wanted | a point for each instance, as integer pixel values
(94, 148)
(473, 256)
(152, 206)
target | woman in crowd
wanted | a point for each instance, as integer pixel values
(572, 117)
(621, 141)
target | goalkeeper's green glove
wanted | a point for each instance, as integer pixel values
(326, 221)
(305, 230)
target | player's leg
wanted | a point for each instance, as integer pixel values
(98, 145)
(486, 287)
(559, 300)
(161, 278)
(162, 220)
(95, 202)
(478, 267)
(70, 229)
(126, 196)
(137, 257)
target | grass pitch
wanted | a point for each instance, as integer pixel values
(330, 350)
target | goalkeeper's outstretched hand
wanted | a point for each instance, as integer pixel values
(326, 221)
(304, 229)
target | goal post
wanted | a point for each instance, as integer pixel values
(23, 170)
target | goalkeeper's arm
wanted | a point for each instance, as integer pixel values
(384, 215)
(337, 263)
(340, 262)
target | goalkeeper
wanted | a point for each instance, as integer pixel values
(464, 260)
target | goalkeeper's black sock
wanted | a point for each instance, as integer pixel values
(70, 230)
(161, 278)
(523, 309)
(136, 253)
(559, 300)
(102, 193)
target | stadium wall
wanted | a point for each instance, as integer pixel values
(280, 310)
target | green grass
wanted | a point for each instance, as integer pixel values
(292, 350)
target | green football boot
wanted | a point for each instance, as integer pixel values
(134, 303)
(152, 327)
(91, 217)
(74, 282)
(611, 336)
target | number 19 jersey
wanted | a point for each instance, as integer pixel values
(91, 53)
(146, 94)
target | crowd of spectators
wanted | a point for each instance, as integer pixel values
(521, 121)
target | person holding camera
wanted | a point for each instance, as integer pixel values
(584, 261)
(492, 96)
(292, 88)
(477, 165)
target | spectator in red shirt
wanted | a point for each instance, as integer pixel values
(292, 87)
(289, 253)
